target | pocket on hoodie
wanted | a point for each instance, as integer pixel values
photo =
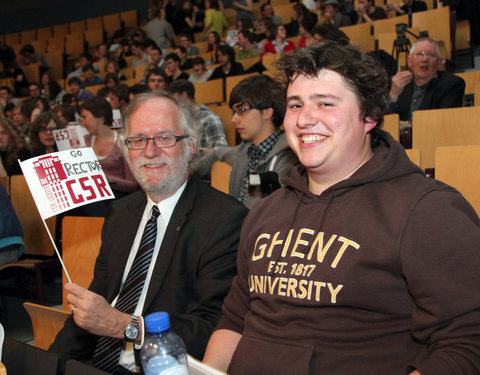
(255, 355)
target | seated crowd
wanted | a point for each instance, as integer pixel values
(345, 249)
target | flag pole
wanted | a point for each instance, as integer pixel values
(56, 250)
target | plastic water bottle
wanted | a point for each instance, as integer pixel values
(163, 351)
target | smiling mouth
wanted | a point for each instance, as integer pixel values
(153, 165)
(312, 138)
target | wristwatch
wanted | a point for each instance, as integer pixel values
(132, 330)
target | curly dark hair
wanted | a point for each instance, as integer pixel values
(362, 73)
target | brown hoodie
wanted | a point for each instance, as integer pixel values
(377, 275)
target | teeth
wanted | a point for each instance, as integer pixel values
(153, 165)
(312, 138)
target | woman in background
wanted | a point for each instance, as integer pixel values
(41, 135)
(12, 148)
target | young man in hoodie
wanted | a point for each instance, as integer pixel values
(360, 264)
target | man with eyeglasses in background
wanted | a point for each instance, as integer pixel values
(193, 251)
(423, 86)
(258, 107)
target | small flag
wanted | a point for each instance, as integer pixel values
(64, 180)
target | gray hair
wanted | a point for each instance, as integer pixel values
(426, 39)
(188, 121)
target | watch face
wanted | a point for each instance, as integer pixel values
(131, 332)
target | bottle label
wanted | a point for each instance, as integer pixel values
(173, 370)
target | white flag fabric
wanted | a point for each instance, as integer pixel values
(71, 137)
(64, 180)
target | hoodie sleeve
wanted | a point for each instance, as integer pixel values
(441, 262)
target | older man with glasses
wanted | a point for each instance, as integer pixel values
(423, 86)
(170, 247)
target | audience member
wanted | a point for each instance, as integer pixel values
(332, 15)
(210, 132)
(72, 101)
(186, 41)
(306, 26)
(157, 79)
(298, 12)
(246, 43)
(66, 114)
(111, 80)
(182, 21)
(200, 73)
(258, 107)
(41, 105)
(315, 285)
(28, 56)
(214, 40)
(12, 147)
(41, 135)
(155, 59)
(90, 77)
(141, 58)
(54, 92)
(20, 120)
(8, 111)
(245, 23)
(424, 86)
(228, 66)
(112, 67)
(172, 63)
(118, 97)
(159, 29)
(84, 60)
(185, 62)
(278, 42)
(101, 55)
(76, 89)
(267, 11)
(6, 96)
(194, 252)
(215, 20)
(368, 12)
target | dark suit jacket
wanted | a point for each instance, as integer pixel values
(444, 91)
(192, 274)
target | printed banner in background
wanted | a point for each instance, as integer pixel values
(117, 119)
(64, 180)
(70, 138)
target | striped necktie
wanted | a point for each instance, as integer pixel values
(107, 351)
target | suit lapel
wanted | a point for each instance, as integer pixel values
(428, 97)
(169, 243)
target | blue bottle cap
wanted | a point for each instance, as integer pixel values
(157, 322)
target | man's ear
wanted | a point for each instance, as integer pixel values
(267, 113)
(369, 124)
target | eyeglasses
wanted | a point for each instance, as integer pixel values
(428, 55)
(240, 111)
(160, 141)
(45, 130)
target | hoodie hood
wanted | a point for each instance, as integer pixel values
(389, 161)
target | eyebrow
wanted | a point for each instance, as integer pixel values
(314, 97)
